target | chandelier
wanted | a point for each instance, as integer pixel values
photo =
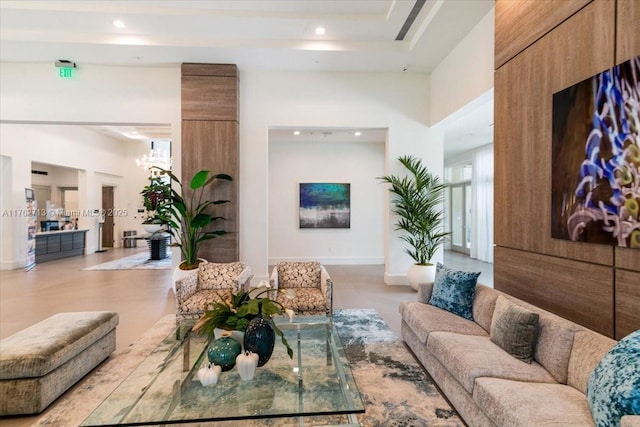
(156, 158)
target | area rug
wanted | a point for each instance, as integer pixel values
(396, 390)
(139, 261)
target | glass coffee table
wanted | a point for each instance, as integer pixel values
(164, 388)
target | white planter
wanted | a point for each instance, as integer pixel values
(152, 228)
(421, 274)
(179, 274)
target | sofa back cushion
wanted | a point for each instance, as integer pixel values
(555, 336)
(588, 349)
(484, 304)
(213, 275)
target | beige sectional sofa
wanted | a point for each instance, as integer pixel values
(490, 387)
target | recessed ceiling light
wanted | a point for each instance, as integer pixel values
(296, 132)
(118, 23)
(320, 31)
(357, 133)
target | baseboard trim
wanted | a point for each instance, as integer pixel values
(332, 260)
(395, 279)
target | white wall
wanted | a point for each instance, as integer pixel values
(32, 93)
(466, 73)
(358, 164)
(396, 101)
(95, 160)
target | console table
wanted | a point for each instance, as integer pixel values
(52, 245)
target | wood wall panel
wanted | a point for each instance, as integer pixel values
(518, 24)
(627, 302)
(213, 145)
(628, 259)
(594, 285)
(209, 98)
(222, 70)
(578, 291)
(210, 141)
(524, 89)
(628, 30)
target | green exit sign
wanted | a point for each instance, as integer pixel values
(65, 73)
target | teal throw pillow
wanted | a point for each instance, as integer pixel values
(614, 385)
(454, 291)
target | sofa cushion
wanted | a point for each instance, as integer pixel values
(588, 350)
(454, 291)
(614, 385)
(484, 303)
(468, 357)
(39, 349)
(424, 319)
(527, 404)
(514, 329)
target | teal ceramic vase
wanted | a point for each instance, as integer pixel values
(223, 352)
(260, 338)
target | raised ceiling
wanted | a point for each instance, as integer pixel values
(360, 35)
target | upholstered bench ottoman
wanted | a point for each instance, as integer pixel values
(41, 362)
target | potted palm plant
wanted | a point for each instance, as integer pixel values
(418, 201)
(188, 215)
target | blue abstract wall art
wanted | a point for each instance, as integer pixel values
(596, 159)
(325, 205)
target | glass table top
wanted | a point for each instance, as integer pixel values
(164, 388)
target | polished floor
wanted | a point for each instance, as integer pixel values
(141, 297)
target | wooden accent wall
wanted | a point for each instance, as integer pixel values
(542, 48)
(210, 141)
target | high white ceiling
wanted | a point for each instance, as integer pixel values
(254, 34)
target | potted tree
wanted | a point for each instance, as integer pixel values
(418, 199)
(188, 215)
(156, 199)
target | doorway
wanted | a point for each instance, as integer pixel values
(107, 208)
(460, 197)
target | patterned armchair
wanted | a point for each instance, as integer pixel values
(312, 285)
(212, 282)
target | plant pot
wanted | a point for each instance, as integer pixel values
(179, 273)
(152, 228)
(421, 274)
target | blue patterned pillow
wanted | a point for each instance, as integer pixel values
(454, 291)
(614, 385)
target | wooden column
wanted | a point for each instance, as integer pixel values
(210, 141)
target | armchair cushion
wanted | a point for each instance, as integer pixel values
(306, 300)
(212, 283)
(299, 274)
(196, 304)
(212, 275)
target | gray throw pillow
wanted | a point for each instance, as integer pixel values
(514, 329)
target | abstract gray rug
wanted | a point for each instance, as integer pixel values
(139, 261)
(396, 390)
